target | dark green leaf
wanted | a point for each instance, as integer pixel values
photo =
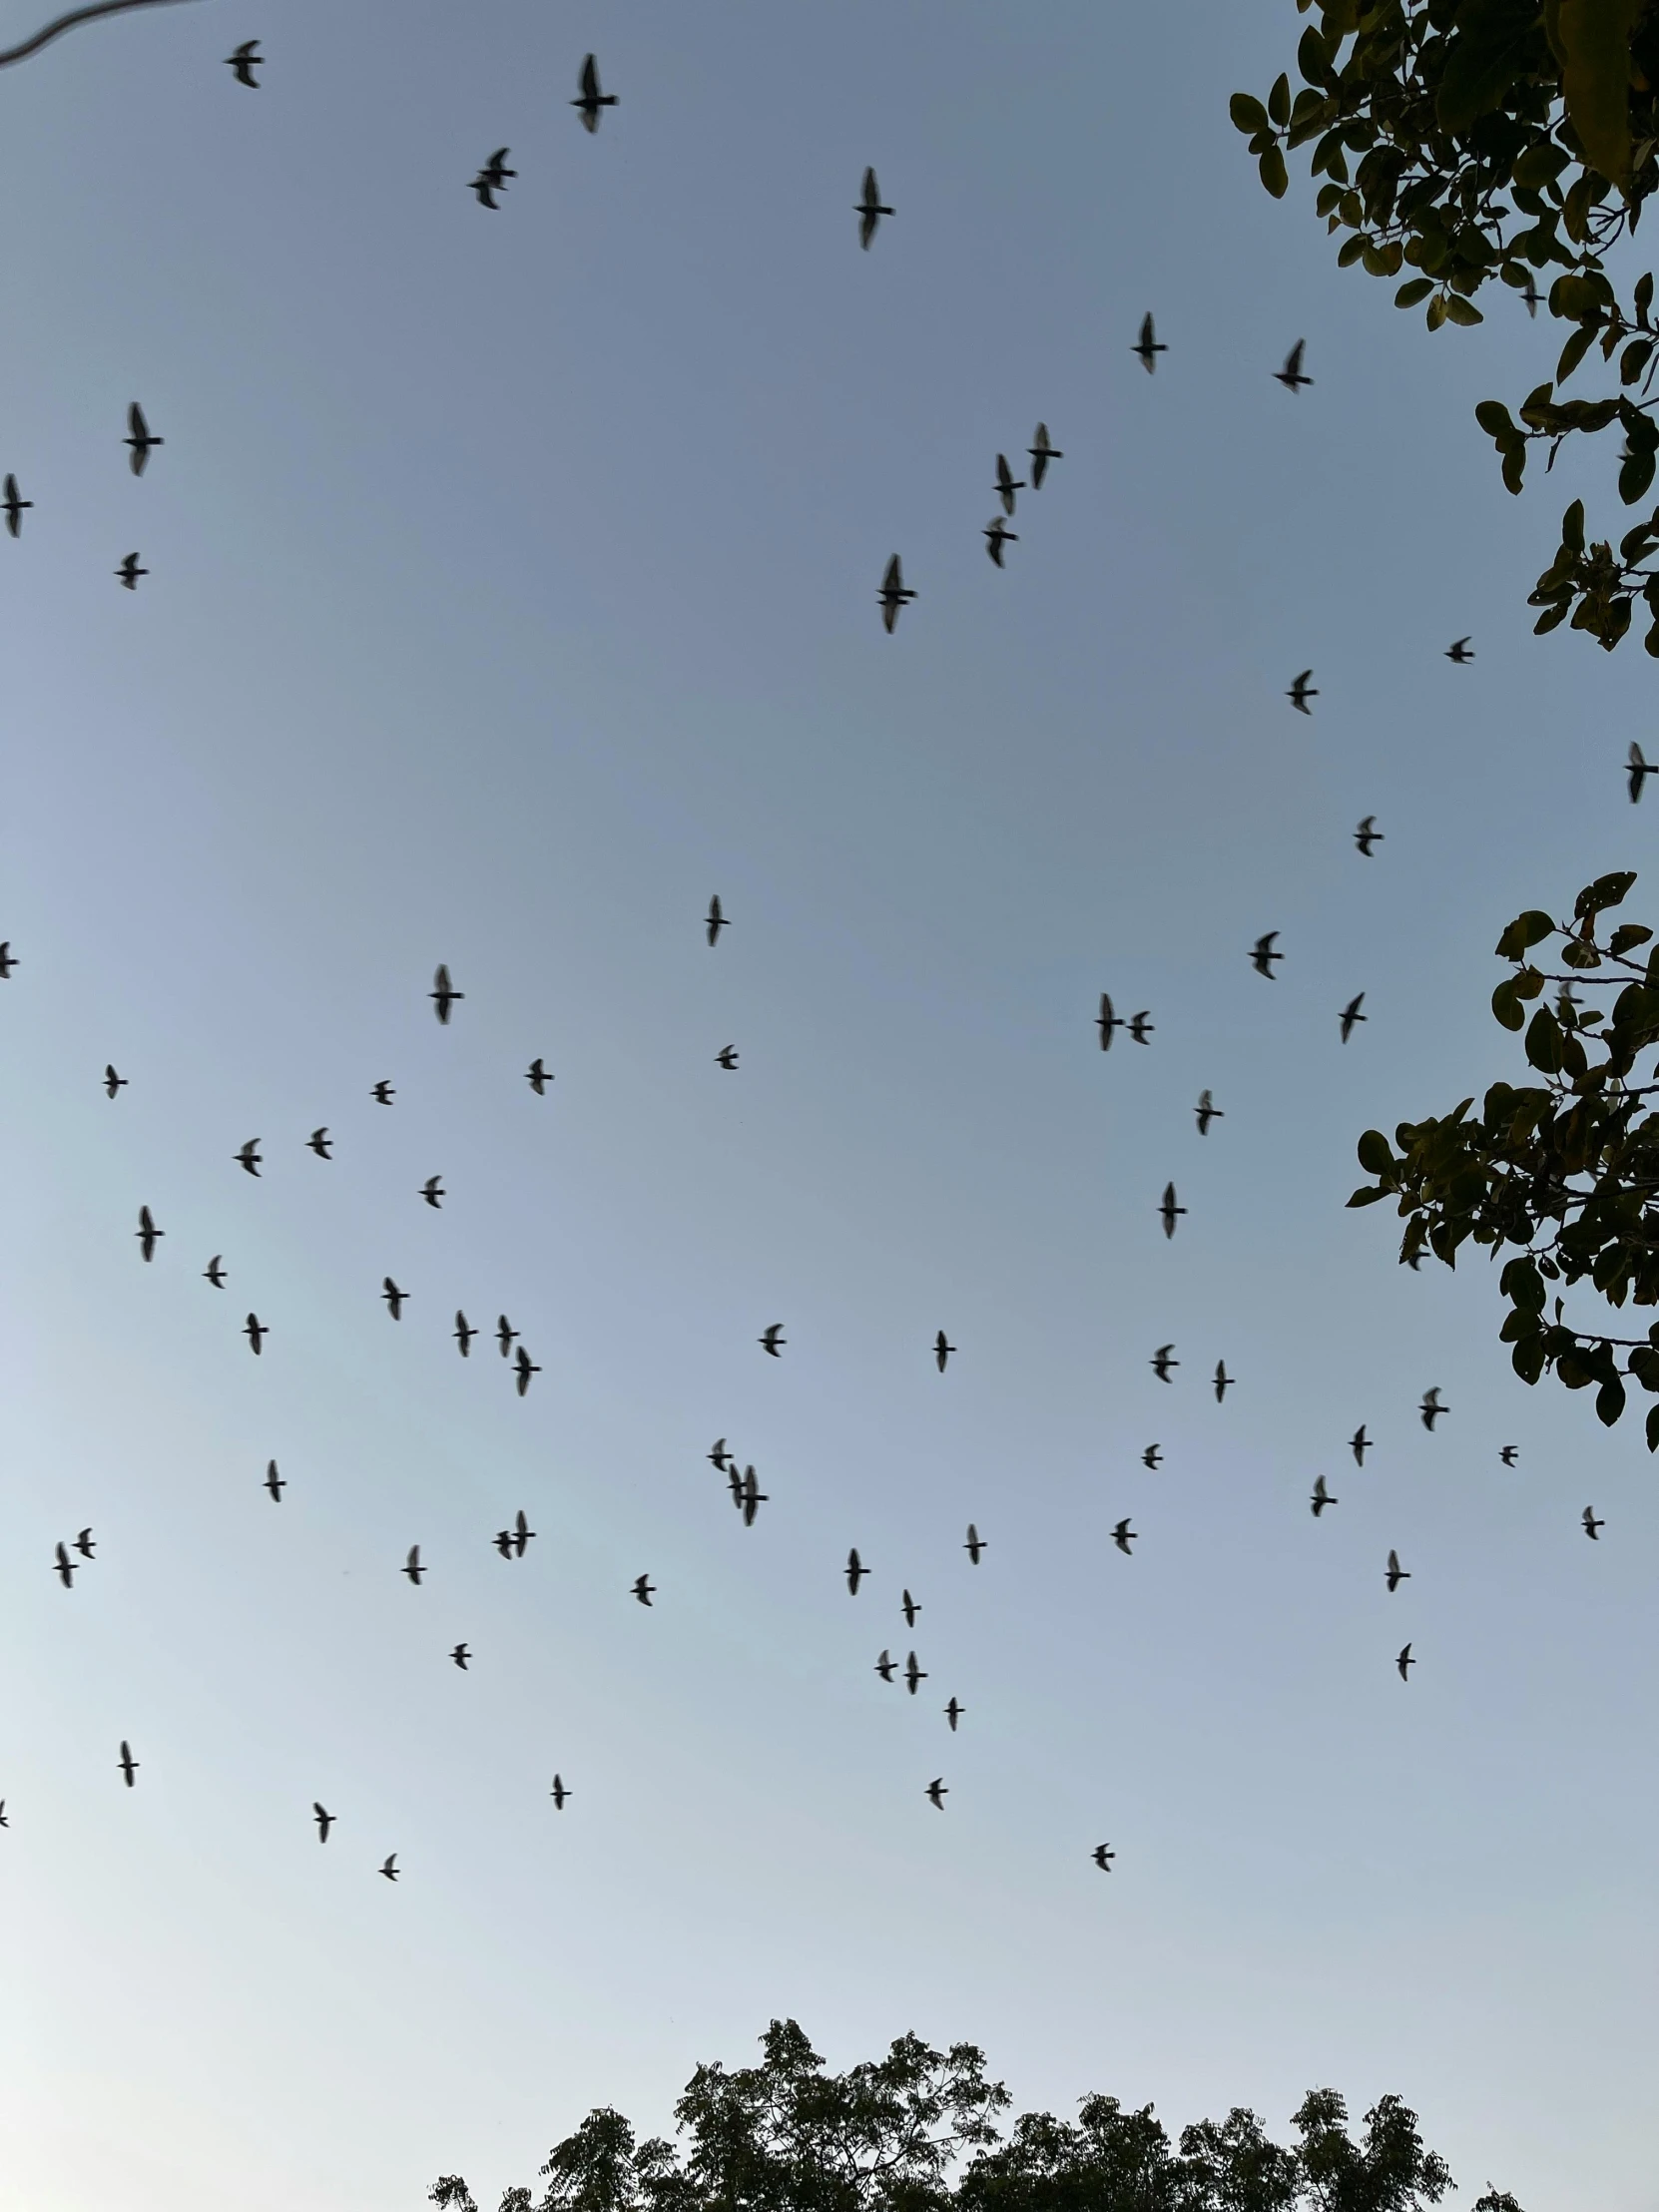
(1248, 115)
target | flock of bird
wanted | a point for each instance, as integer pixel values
(70, 1557)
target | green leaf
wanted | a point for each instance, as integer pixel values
(1627, 936)
(1248, 115)
(1607, 890)
(1635, 475)
(1274, 174)
(1374, 1156)
(1653, 1429)
(1609, 1403)
(1572, 527)
(1494, 45)
(1592, 42)
(1528, 1360)
(1574, 352)
(1464, 311)
(1543, 1042)
(1523, 932)
(1367, 1196)
(1416, 289)
(1506, 1004)
(1278, 101)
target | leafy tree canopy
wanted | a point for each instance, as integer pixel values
(1463, 140)
(915, 2131)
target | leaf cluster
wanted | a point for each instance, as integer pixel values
(1562, 1172)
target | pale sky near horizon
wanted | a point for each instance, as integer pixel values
(512, 589)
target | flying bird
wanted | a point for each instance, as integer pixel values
(127, 1762)
(1262, 955)
(393, 1297)
(718, 1456)
(1103, 1856)
(324, 1821)
(130, 570)
(140, 440)
(1508, 1455)
(1351, 1015)
(1394, 1574)
(1123, 1536)
(937, 1792)
(464, 1334)
(1301, 691)
(1224, 1381)
(249, 1158)
(538, 1076)
(433, 1190)
(503, 1543)
(727, 1058)
(8, 960)
(996, 535)
(1405, 1662)
(1640, 769)
(1431, 1409)
(1141, 1026)
(504, 1334)
(1041, 453)
(1322, 1497)
(1530, 296)
(443, 993)
(893, 594)
(942, 1351)
(1162, 1363)
(590, 98)
(460, 1655)
(1592, 1526)
(953, 1713)
(14, 506)
(915, 1673)
(322, 1143)
(1106, 1021)
(1358, 1444)
(975, 1545)
(213, 1271)
(85, 1545)
(772, 1339)
(886, 1666)
(255, 1330)
(715, 920)
(856, 1571)
(412, 1566)
(1207, 1111)
(559, 1793)
(1458, 651)
(147, 1233)
(113, 1083)
(909, 1608)
(493, 178)
(382, 1093)
(390, 1870)
(65, 1566)
(526, 1368)
(1151, 1458)
(1148, 348)
(245, 61)
(523, 1534)
(1007, 484)
(643, 1588)
(4, 1823)
(273, 1482)
(1368, 834)
(1169, 1210)
(870, 209)
(1291, 376)
(753, 1498)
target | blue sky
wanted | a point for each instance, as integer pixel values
(512, 589)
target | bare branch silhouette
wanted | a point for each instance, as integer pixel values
(68, 23)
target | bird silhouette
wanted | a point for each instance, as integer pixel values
(321, 1143)
(249, 1158)
(1223, 1381)
(433, 1190)
(1141, 1026)
(1147, 347)
(715, 920)
(503, 1543)
(412, 1566)
(4, 1823)
(464, 1334)
(127, 1762)
(1508, 1455)
(953, 1713)
(1007, 484)
(1162, 1363)
(718, 1456)
(727, 1058)
(523, 1534)
(390, 1868)
(1169, 1210)
(504, 1335)
(937, 1792)
(1405, 1662)
(1123, 1535)
(643, 1588)
(870, 209)
(1041, 453)
(148, 1235)
(975, 1546)
(909, 1608)
(113, 1084)
(1394, 1574)
(493, 178)
(1351, 1015)
(1458, 651)
(8, 960)
(1322, 1497)
(1103, 1856)
(1430, 1409)
(1151, 1458)
(273, 1482)
(245, 61)
(856, 1571)
(14, 506)
(558, 1794)
(1530, 295)
(538, 1076)
(1262, 955)
(443, 994)
(526, 1368)
(942, 1351)
(460, 1655)
(1207, 1111)
(140, 440)
(1291, 376)
(393, 1297)
(1368, 834)
(1592, 1526)
(591, 100)
(255, 1330)
(1106, 1021)
(85, 1545)
(773, 1339)
(915, 1673)
(130, 570)
(893, 594)
(382, 1093)
(1301, 691)
(213, 1271)
(886, 1666)
(753, 1498)
(996, 535)
(65, 1566)
(1358, 1444)
(324, 1821)
(1640, 769)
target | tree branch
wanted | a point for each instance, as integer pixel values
(68, 23)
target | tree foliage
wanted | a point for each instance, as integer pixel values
(1463, 140)
(1564, 1170)
(915, 2131)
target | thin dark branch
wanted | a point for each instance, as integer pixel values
(68, 23)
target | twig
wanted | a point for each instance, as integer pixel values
(68, 23)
